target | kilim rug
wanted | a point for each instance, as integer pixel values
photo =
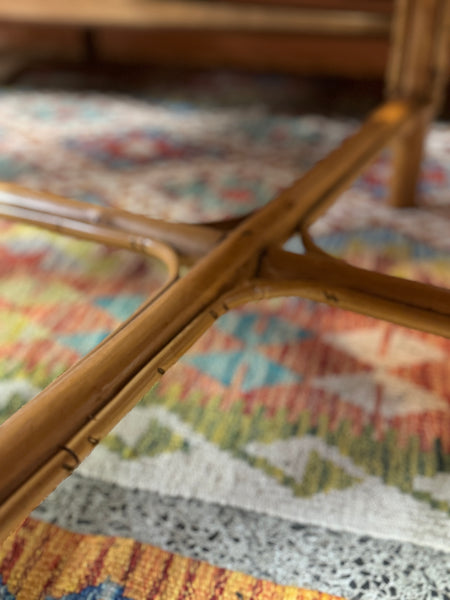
(297, 443)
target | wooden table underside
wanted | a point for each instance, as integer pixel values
(197, 14)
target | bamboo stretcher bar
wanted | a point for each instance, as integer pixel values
(46, 439)
(87, 221)
(323, 278)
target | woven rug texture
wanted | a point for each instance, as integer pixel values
(298, 443)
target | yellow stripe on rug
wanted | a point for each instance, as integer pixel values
(44, 561)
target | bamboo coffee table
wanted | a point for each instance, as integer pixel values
(230, 264)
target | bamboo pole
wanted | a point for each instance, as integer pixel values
(407, 158)
(417, 70)
(361, 150)
(62, 214)
(35, 435)
(323, 278)
(61, 464)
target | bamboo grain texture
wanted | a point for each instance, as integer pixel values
(44, 441)
(48, 437)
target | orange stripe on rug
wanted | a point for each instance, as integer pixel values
(45, 561)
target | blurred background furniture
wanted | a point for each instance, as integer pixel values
(345, 38)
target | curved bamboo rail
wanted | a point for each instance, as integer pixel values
(87, 221)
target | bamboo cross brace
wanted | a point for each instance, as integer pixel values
(45, 440)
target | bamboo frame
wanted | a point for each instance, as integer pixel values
(233, 264)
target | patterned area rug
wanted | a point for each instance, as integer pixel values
(44, 561)
(295, 442)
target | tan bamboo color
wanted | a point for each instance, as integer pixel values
(408, 303)
(45, 440)
(417, 70)
(86, 221)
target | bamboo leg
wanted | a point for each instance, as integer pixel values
(417, 71)
(408, 151)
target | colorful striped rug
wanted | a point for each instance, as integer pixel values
(300, 444)
(44, 561)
